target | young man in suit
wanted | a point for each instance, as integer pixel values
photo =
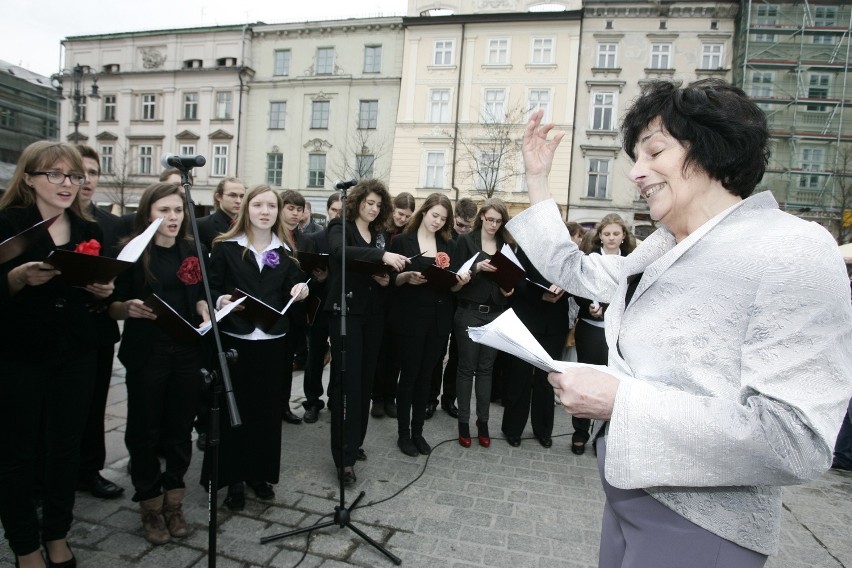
(226, 204)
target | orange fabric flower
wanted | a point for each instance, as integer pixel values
(442, 260)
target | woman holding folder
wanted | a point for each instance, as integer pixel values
(430, 306)
(367, 210)
(163, 381)
(479, 303)
(46, 353)
(252, 258)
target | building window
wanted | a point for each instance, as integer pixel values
(149, 107)
(220, 160)
(711, 55)
(443, 54)
(494, 106)
(224, 104)
(316, 170)
(439, 105)
(498, 52)
(661, 55)
(542, 50)
(812, 161)
(190, 106)
(603, 109)
(107, 153)
(274, 168)
(281, 62)
(767, 15)
(8, 118)
(186, 149)
(818, 85)
(109, 108)
(540, 99)
(824, 17)
(607, 55)
(435, 170)
(49, 128)
(325, 60)
(81, 109)
(319, 114)
(373, 59)
(146, 160)
(368, 114)
(277, 114)
(487, 170)
(598, 178)
(762, 84)
(365, 164)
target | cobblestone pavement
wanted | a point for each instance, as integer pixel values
(497, 507)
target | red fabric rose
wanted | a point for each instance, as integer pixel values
(91, 247)
(190, 271)
(442, 260)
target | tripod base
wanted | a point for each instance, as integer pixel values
(341, 519)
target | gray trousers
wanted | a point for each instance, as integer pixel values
(640, 532)
(475, 359)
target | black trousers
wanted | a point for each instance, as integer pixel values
(287, 371)
(363, 341)
(53, 393)
(388, 368)
(591, 348)
(317, 347)
(162, 398)
(93, 446)
(445, 376)
(418, 354)
(529, 395)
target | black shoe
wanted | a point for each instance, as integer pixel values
(201, 442)
(290, 418)
(578, 442)
(262, 490)
(514, 441)
(422, 445)
(71, 563)
(545, 441)
(100, 487)
(311, 414)
(378, 409)
(450, 408)
(362, 455)
(839, 466)
(390, 409)
(407, 446)
(236, 499)
(430, 410)
(347, 474)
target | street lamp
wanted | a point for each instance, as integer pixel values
(78, 96)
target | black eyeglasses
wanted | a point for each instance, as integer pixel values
(58, 178)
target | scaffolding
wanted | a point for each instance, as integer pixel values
(792, 58)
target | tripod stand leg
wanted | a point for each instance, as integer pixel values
(395, 559)
(294, 532)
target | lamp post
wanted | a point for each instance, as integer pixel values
(77, 95)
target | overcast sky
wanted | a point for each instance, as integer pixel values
(30, 30)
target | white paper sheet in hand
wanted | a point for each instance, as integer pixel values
(508, 333)
(133, 250)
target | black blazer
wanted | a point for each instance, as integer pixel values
(230, 269)
(106, 328)
(212, 226)
(411, 304)
(480, 289)
(367, 296)
(46, 320)
(140, 335)
(110, 224)
(540, 317)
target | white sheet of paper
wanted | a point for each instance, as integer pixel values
(293, 298)
(467, 265)
(219, 315)
(510, 254)
(133, 250)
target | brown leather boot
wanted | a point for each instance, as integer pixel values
(173, 513)
(153, 522)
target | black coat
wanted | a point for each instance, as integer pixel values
(44, 320)
(230, 269)
(212, 226)
(540, 316)
(480, 289)
(106, 328)
(367, 296)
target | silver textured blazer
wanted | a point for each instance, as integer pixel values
(738, 347)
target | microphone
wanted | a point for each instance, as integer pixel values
(341, 185)
(181, 162)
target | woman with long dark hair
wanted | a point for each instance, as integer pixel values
(163, 381)
(479, 303)
(46, 353)
(367, 210)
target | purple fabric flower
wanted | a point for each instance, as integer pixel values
(271, 259)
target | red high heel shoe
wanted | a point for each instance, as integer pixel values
(464, 435)
(482, 434)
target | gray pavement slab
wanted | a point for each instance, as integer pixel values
(478, 508)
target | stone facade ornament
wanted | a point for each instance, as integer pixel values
(152, 58)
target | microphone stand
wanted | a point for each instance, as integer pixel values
(341, 514)
(215, 382)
